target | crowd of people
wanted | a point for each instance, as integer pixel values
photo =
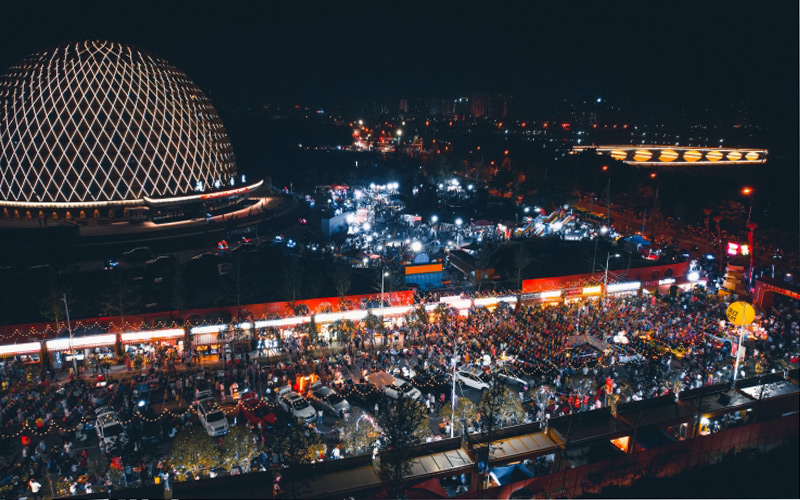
(567, 353)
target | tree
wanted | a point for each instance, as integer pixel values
(421, 315)
(313, 331)
(119, 297)
(344, 329)
(498, 406)
(292, 282)
(483, 263)
(466, 411)
(443, 313)
(297, 445)
(51, 304)
(401, 421)
(374, 324)
(239, 447)
(519, 263)
(180, 290)
(359, 435)
(342, 280)
(193, 450)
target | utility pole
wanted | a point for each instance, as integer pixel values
(384, 274)
(739, 349)
(605, 287)
(71, 346)
(644, 221)
(453, 394)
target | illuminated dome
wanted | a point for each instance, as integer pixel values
(100, 123)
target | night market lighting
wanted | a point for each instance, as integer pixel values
(624, 287)
(78, 342)
(148, 335)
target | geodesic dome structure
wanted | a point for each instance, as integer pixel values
(97, 123)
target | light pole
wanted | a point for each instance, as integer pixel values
(453, 394)
(748, 191)
(605, 281)
(739, 349)
(458, 230)
(384, 275)
(71, 347)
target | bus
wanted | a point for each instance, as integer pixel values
(599, 219)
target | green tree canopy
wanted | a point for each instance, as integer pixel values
(239, 447)
(402, 422)
(193, 450)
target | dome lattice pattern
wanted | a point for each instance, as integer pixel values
(105, 122)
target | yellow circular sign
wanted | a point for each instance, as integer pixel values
(740, 313)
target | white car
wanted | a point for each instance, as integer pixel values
(297, 406)
(109, 429)
(472, 378)
(400, 386)
(211, 417)
(327, 399)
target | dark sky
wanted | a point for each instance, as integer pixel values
(252, 52)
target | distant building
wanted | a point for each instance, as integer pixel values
(403, 106)
(334, 224)
(479, 105)
(461, 107)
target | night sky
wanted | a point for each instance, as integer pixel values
(244, 53)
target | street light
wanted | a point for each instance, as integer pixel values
(434, 219)
(454, 361)
(748, 191)
(608, 258)
(71, 346)
(384, 275)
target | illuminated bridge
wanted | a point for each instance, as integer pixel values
(679, 156)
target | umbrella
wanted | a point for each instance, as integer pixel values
(379, 379)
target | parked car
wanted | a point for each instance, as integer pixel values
(256, 411)
(297, 406)
(433, 381)
(510, 375)
(109, 429)
(328, 400)
(364, 394)
(473, 378)
(211, 417)
(102, 393)
(400, 387)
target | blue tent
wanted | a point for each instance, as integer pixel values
(511, 473)
(637, 239)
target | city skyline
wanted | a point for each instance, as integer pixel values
(249, 52)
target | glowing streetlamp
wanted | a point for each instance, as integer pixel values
(748, 191)
(608, 259)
